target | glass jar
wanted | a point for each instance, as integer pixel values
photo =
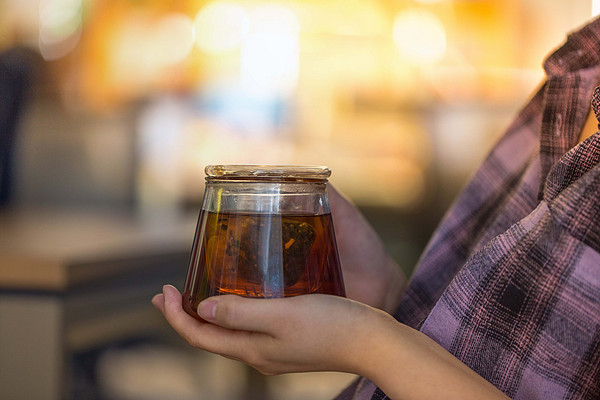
(264, 231)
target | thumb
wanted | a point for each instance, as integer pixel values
(241, 313)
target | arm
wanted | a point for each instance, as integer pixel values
(320, 333)
(412, 366)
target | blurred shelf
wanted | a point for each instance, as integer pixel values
(57, 250)
(71, 281)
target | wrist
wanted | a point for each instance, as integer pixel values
(371, 343)
(363, 342)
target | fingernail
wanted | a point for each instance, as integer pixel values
(207, 309)
(169, 288)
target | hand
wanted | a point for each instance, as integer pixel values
(325, 333)
(297, 334)
(370, 275)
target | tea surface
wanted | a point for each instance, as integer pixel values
(262, 255)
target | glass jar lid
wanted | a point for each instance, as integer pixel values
(305, 173)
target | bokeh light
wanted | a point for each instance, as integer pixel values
(59, 27)
(174, 38)
(220, 26)
(420, 36)
(270, 51)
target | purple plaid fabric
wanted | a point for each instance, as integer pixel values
(510, 282)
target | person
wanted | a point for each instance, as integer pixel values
(505, 300)
(17, 72)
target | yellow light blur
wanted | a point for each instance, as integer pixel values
(595, 7)
(174, 38)
(145, 49)
(420, 36)
(429, 1)
(220, 26)
(59, 27)
(271, 51)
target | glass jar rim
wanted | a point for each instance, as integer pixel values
(251, 172)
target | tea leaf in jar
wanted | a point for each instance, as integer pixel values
(297, 238)
(221, 252)
(286, 256)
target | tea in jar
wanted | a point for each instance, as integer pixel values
(263, 231)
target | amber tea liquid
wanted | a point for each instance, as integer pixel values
(262, 255)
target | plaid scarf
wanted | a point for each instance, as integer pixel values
(510, 281)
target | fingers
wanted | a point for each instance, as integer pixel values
(158, 301)
(173, 311)
(197, 334)
(337, 195)
(231, 343)
(345, 214)
(231, 312)
(338, 202)
(240, 313)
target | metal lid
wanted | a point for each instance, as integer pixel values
(304, 173)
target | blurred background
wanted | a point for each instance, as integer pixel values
(110, 110)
